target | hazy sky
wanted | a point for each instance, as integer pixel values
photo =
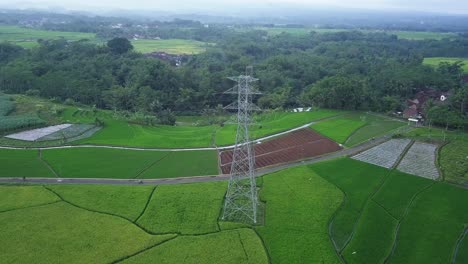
(439, 6)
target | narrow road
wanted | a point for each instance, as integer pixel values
(260, 172)
(168, 149)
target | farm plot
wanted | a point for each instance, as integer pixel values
(420, 161)
(70, 132)
(385, 154)
(339, 128)
(35, 134)
(299, 204)
(185, 208)
(22, 163)
(432, 228)
(87, 162)
(296, 145)
(228, 247)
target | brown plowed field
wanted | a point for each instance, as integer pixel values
(297, 145)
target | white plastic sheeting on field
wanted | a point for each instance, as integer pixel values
(420, 161)
(32, 135)
(385, 154)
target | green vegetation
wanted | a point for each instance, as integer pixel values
(274, 122)
(397, 191)
(411, 35)
(16, 197)
(127, 164)
(126, 201)
(462, 254)
(375, 126)
(299, 205)
(358, 180)
(63, 233)
(100, 163)
(185, 209)
(22, 163)
(171, 46)
(453, 161)
(232, 246)
(373, 237)
(340, 128)
(435, 61)
(428, 234)
(13, 122)
(197, 163)
(28, 37)
(375, 231)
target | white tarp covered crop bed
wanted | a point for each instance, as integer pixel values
(32, 135)
(420, 161)
(385, 154)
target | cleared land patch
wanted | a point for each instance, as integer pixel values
(296, 145)
(232, 246)
(44, 235)
(420, 160)
(22, 163)
(299, 205)
(186, 208)
(15, 197)
(385, 154)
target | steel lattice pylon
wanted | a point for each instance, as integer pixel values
(241, 197)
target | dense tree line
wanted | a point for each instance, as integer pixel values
(345, 70)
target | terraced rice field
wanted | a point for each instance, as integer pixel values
(420, 160)
(296, 145)
(385, 154)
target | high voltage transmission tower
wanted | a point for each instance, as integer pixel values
(241, 200)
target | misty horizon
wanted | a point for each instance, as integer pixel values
(243, 7)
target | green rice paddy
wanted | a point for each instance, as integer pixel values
(435, 61)
(171, 46)
(369, 213)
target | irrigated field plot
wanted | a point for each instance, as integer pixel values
(429, 233)
(22, 163)
(420, 160)
(385, 154)
(127, 164)
(376, 125)
(435, 61)
(171, 46)
(296, 145)
(453, 161)
(340, 128)
(299, 205)
(357, 180)
(27, 37)
(184, 209)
